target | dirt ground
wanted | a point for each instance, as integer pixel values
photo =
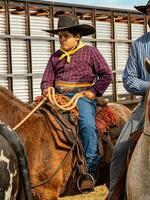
(100, 193)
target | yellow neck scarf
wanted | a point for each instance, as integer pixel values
(69, 53)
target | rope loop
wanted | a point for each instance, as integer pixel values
(52, 98)
(68, 106)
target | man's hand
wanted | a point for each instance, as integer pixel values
(89, 94)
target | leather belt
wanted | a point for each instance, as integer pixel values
(72, 84)
(71, 87)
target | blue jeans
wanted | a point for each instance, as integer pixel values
(88, 131)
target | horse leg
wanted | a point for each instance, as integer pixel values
(50, 193)
(49, 190)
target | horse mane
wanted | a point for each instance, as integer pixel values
(13, 99)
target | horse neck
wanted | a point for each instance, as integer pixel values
(147, 114)
(12, 111)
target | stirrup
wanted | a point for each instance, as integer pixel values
(81, 177)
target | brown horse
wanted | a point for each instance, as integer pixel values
(138, 175)
(44, 156)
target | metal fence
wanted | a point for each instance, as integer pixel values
(25, 48)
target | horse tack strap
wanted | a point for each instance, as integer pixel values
(70, 133)
(55, 172)
(59, 138)
(134, 137)
(101, 149)
(109, 148)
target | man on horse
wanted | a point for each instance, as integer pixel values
(74, 68)
(136, 80)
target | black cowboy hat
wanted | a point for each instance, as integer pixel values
(70, 22)
(143, 8)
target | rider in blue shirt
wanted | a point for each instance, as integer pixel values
(136, 81)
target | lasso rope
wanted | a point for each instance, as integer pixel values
(52, 98)
(39, 105)
(69, 106)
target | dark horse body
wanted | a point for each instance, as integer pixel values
(44, 156)
(14, 173)
(9, 172)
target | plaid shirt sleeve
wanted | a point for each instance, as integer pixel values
(103, 72)
(48, 76)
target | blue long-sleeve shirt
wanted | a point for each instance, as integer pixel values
(136, 79)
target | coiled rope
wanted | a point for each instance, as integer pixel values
(52, 98)
(68, 106)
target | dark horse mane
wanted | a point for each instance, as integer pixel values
(13, 100)
(12, 97)
(15, 112)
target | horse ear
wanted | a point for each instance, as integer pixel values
(147, 65)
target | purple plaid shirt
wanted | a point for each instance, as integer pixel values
(86, 64)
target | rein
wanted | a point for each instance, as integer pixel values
(58, 168)
(39, 105)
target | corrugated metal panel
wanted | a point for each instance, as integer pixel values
(3, 62)
(38, 24)
(3, 53)
(121, 31)
(36, 87)
(109, 91)
(2, 24)
(57, 45)
(106, 50)
(103, 30)
(40, 56)
(122, 51)
(19, 66)
(40, 50)
(4, 82)
(21, 89)
(137, 30)
(55, 22)
(19, 56)
(3, 57)
(17, 24)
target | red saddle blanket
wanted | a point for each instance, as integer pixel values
(105, 119)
